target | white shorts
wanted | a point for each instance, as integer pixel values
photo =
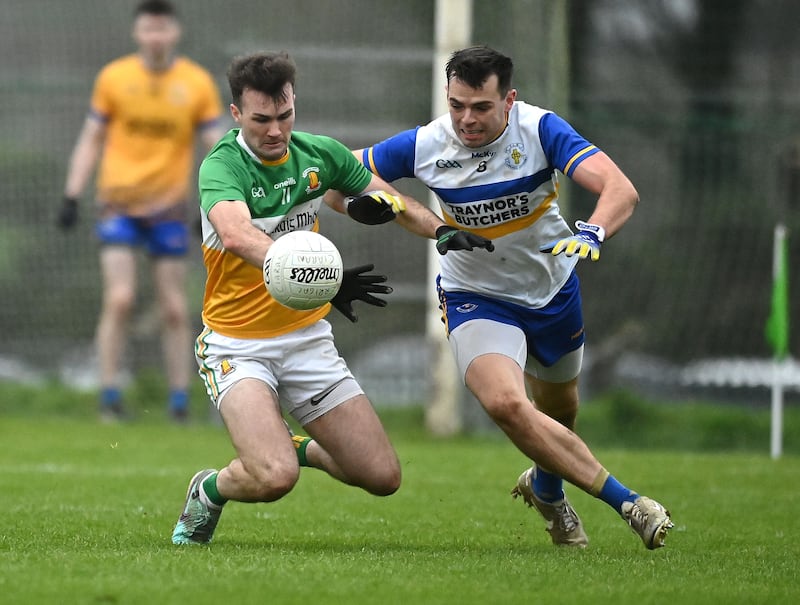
(303, 368)
(481, 336)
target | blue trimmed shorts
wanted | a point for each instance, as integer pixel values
(159, 237)
(545, 335)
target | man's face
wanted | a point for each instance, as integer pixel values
(156, 36)
(478, 114)
(266, 126)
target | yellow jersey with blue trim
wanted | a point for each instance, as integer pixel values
(151, 119)
(283, 196)
(506, 190)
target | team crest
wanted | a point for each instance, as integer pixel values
(466, 308)
(515, 156)
(226, 367)
(312, 174)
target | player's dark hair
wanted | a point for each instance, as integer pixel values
(474, 65)
(266, 72)
(155, 7)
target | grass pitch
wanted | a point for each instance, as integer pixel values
(88, 510)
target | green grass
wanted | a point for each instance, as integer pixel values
(88, 511)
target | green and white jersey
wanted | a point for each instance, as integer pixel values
(284, 195)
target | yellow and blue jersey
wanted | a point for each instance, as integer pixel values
(506, 191)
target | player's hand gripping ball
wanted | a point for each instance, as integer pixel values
(303, 270)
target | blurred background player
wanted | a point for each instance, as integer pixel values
(514, 317)
(257, 358)
(146, 111)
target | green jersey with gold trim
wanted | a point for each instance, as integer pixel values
(283, 196)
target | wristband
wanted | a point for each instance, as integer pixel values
(598, 231)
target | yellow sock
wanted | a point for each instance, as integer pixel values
(599, 482)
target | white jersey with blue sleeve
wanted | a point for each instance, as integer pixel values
(506, 191)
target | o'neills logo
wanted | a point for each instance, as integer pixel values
(310, 275)
(312, 174)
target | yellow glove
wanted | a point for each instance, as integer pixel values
(585, 243)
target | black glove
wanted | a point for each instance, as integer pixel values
(450, 238)
(356, 286)
(374, 207)
(68, 215)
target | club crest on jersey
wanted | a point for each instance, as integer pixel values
(466, 308)
(226, 367)
(312, 174)
(515, 156)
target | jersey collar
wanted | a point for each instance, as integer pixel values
(240, 140)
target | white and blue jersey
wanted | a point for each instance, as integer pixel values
(506, 191)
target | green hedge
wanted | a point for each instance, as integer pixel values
(619, 419)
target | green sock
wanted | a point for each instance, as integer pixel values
(210, 488)
(300, 445)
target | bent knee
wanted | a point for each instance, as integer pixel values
(273, 482)
(384, 483)
(505, 407)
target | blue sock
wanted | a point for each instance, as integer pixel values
(178, 399)
(614, 493)
(110, 396)
(546, 486)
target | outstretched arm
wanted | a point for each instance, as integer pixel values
(383, 203)
(232, 222)
(409, 213)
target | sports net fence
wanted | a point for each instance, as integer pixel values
(696, 101)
